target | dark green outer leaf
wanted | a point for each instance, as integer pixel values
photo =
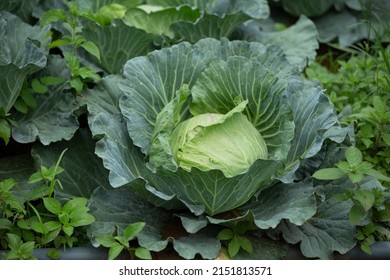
(103, 98)
(83, 170)
(307, 7)
(20, 55)
(298, 42)
(53, 119)
(120, 156)
(118, 208)
(204, 244)
(315, 120)
(327, 231)
(208, 26)
(19, 168)
(211, 191)
(255, 8)
(158, 22)
(293, 202)
(117, 43)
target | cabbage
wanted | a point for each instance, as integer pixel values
(229, 143)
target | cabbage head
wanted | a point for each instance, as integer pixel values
(209, 126)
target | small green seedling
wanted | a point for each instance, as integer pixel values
(236, 239)
(19, 250)
(120, 242)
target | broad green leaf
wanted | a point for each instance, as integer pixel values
(77, 84)
(5, 131)
(386, 138)
(329, 174)
(91, 48)
(20, 56)
(5, 224)
(245, 244)
(357, 214)
(19, 168)
(133, 230)
(307, 7)
(143, 253)
(116, 149)
(53, 119)
(80, 155)
(343, 26)
(53, 205)
(312, 126)
(122, 240)
(88, 73)
(354, 156)
(192, 224)
(74, 205)
(52, 225)
(52, 16)
(327, 231)
(59, 43)
(225, 234)
(234, 246)
(21, 106)
(7, 184)
(128, 209)
(108, 13)
(355, 177)
(115, 250)
(299, 41)
(255, 8)
(117, 43)
(106, 240)
(204, 244)
(38, 87)
(208, 26)
(72, 61)
(202, 191)
(103, 98)
(52, 81)
(365, 197)
(82, 219)
(376, 174)
(159, 22)
(134, 209)
(14, 241)
(296, 202)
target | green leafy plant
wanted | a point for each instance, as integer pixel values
(19, 250)
(370, 209)
(359, 89)
(71, 22)
(26, 100)
(235, 238)
(120, 242)
(37, 219)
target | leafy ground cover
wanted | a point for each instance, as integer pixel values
(194, 129)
